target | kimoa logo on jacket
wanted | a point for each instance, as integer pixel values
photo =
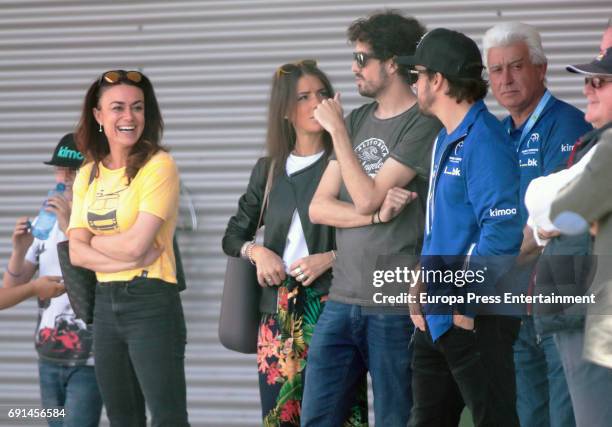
(502, 212)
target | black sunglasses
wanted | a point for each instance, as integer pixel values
(292, 66)
(362, 58)
(596, 82)
(115, 76)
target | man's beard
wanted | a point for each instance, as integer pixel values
(369, 90)
(425, 101)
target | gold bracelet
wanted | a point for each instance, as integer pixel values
(249, 252)
(243, 250)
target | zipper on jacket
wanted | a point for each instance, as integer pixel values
(433, 180)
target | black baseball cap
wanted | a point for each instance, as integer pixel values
(66, 153)
(448, 52)
(601, 65)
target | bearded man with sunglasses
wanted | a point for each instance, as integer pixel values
(383, 148)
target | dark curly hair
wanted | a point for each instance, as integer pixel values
(389, 34)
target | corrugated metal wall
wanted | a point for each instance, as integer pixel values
(211, 62)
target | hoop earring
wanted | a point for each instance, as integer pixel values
(100, 129)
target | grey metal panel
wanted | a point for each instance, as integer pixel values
(211, 63)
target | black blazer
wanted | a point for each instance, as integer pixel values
(286, 194)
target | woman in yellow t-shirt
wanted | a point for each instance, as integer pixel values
(122, 225)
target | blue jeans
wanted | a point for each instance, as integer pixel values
(139, 331)
(73, 388)
(345, 344)
(543, 397)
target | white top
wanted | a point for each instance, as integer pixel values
(543, 191)
(57, 321)
(295, 247)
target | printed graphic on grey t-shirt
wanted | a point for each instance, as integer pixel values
(372, 153)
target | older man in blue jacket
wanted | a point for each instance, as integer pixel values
(543, 130)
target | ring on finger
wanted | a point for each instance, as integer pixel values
(298, 270)
(300, 278)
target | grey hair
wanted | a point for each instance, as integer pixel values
(508, 33)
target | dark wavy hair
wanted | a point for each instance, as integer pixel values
(281, 135)
(94, 144)
(389, 34)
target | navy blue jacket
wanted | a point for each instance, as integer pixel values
(549, 144)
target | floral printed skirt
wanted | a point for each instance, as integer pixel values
(282, 348)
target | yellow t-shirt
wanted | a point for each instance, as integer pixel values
(109, 206)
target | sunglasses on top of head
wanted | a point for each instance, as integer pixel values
(116, 76)
(292, 66)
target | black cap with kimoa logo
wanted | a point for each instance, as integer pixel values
(66, 153)
(448, 52)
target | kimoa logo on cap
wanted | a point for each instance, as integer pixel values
(68, 153)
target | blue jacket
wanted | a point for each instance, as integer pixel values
(473, 201)
(549, 143)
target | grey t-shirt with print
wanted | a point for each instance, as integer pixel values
(407, 138)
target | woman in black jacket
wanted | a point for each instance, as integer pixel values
(294, 262)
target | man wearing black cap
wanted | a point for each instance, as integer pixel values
(64, 343)
(461, 357)
(586, 358)
(587, 201)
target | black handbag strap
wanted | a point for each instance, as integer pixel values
(266, 197)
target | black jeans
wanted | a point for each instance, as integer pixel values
(139, 335)
(473, 368)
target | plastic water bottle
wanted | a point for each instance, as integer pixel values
(46, 220)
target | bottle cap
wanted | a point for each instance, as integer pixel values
(60, 187)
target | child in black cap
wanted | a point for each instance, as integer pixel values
(64, 343)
